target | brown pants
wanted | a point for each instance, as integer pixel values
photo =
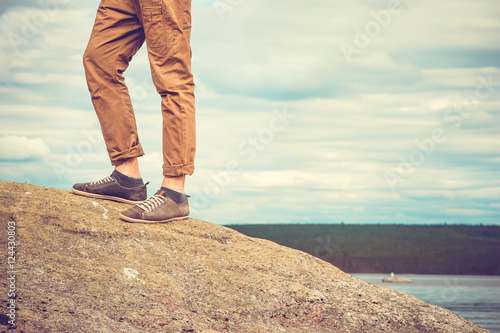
(120, 28)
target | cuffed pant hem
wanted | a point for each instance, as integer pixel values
(120, 157)
(178, 170)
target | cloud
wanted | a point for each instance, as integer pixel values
(354, 120)
(467, 212)
(5, 5)
(44, 8)
(17, 148)
(298, 55)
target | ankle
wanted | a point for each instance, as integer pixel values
(178, 197)
(127, 181)
(174, 183)
(129, 168)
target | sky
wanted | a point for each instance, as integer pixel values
(307, 111)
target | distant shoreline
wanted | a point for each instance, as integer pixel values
(384, 248)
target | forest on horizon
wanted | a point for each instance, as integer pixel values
(402, 249)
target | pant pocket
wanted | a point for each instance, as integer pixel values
(154, 25)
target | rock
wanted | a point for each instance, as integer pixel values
(81, 269)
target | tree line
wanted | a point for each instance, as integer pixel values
(406, 249)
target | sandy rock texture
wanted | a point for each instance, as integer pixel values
(81, 269)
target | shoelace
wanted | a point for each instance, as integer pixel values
(152, 203)
(102, 181)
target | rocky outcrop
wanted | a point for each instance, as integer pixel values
(81, 269)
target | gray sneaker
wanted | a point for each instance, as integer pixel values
(109, 188)
(157, 209)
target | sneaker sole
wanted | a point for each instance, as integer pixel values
(129, 219)
(107, 197)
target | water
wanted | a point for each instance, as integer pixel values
(475, 298)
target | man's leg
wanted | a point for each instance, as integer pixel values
(116, 36)
(167, 25)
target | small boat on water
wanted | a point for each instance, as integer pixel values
(396, 279)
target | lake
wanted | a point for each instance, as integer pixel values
(475, 298)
